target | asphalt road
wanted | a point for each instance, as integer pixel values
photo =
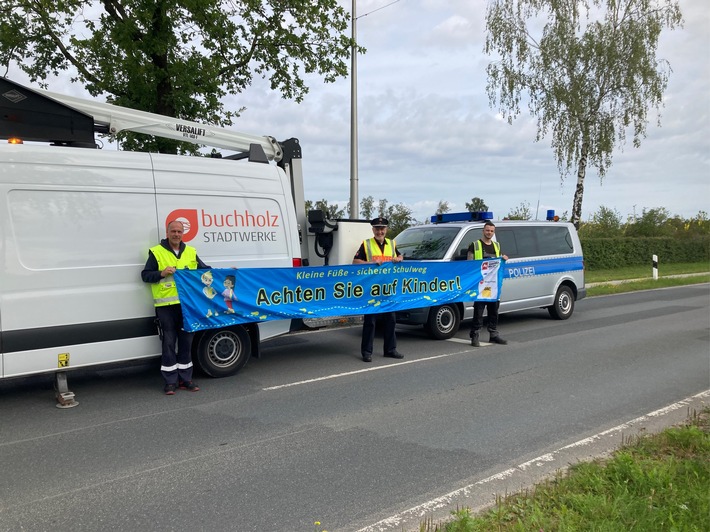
(310, 433)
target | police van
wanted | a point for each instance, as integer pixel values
(545, 266)
(76, 223)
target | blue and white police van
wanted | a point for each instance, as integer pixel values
(545, 266)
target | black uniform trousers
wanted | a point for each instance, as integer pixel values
(368, 333)
(477, 323)
(174, 364)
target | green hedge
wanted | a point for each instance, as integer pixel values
(609, 253)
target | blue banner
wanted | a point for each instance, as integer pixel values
(222, 297)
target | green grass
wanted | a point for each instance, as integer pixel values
(646, 284)
(656, 482)
(646, 271)
(643, 278)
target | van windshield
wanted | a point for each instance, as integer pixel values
(425, 242)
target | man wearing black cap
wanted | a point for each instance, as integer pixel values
(377, 250)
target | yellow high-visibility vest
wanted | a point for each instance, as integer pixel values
(478, 249)
(165, 291)
(374, 253)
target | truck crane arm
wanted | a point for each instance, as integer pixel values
(20, 106)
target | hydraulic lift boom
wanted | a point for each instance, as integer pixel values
(28, 109)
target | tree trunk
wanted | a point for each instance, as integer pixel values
(579, 191)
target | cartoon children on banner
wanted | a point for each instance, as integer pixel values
(228, 293)
(210, 292)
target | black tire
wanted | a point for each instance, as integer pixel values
(563, 306)
(223, 352)
(443, 322)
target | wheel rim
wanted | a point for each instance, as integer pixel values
(565, 303)
(445, 320)
(224, 349)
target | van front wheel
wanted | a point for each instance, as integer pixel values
(223, 352)
(443, 321)
(563, 306)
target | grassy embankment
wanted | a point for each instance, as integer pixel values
(656, 482)
(640, 278)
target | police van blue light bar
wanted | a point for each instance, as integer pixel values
(465, 216)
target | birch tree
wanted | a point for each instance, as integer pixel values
(587, 69)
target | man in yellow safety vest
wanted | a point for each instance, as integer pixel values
(377, 250)
(163, 260)
(485, 248)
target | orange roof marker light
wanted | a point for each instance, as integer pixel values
(14, 140)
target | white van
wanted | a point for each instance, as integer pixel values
(545, 267)
(76, 224)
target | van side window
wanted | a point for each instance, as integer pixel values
(470, 236)
(534, 241)
(554, 240)
(508, 237)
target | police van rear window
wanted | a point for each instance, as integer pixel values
(534, 241)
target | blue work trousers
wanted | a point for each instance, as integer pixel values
(175, 364)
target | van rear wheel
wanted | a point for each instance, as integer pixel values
(443, 321)
(223, 352)
(563, 306)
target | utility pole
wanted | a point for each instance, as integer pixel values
(354, 193)
(354, 201)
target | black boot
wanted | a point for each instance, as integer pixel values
(498, 340)
(475, 342)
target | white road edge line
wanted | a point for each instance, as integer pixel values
(420, 511)
(348, 373)
(377, 368)
(467, 341)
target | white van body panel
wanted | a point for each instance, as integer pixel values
(80, 355)
(75, 228)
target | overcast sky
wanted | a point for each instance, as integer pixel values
(427, 133)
